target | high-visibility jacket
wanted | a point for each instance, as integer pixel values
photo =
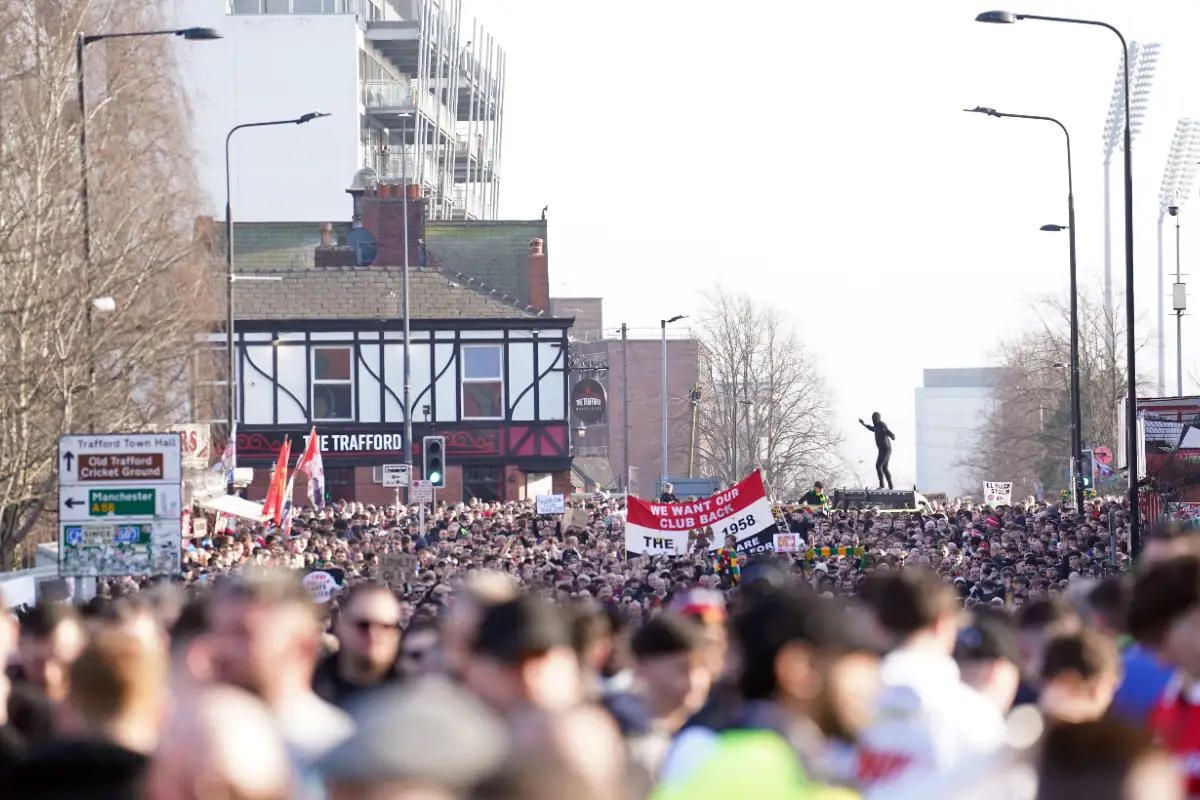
(752, 763)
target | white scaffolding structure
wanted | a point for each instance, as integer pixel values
(438, 102)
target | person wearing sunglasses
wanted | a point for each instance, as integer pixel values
(368, 633)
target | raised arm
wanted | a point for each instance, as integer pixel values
(865, 425)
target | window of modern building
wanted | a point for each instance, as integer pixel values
(332, 383)
(483, 381)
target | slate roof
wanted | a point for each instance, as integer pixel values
(493, 253)
(364, 293)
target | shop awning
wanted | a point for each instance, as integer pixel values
(232, 504)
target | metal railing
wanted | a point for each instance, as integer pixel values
(388, 94)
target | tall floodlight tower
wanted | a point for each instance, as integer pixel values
(1178, 179)
(1143, 59)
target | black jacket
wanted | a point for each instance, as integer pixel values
(333, 688)
(78, 769)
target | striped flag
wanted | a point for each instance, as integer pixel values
(287, 506)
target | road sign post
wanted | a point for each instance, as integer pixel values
(120, 504)
(395, 475)
(421, 492)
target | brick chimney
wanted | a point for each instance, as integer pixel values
(538, 272)
(383, 215)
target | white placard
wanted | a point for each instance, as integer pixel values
(322, 585)
(395, 475)
(421, 492)
(199, 528)
(787, 543)
(550, 504)
(997, 493)
(120, 504)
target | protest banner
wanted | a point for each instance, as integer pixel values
(742, 511)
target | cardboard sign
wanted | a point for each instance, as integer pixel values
(396, 569)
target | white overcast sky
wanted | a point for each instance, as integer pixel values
(815, 156)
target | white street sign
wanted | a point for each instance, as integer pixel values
(395, 475)
(120, 504)
(421, 492)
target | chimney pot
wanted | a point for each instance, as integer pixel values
(326, 234)
(385, 190)
(535, 247)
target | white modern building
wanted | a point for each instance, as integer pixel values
(408, 86)
(952, 407)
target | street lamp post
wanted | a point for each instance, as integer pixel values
(662, 481)
(230, 350)
(1076, 405)
(1131, 427)
(82, 41)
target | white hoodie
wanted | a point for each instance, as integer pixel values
(926, 721)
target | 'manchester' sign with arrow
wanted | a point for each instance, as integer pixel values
(120, 504)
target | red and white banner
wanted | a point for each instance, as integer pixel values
(662, 528)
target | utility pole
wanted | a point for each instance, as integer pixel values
(625, 404)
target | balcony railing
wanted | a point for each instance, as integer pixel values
(381, 95)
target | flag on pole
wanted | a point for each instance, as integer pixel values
(287, 506)
(274, 503)
(313, 467)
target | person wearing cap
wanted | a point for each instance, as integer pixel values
(429, 740)
(989, 657)
(809, 673)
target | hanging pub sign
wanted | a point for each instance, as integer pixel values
(588, 401)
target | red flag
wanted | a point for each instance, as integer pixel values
(273, 506)
(313, 466)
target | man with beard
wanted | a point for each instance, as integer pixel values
(368, 634)
(808, 679)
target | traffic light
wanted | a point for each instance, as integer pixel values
(433, 459)
(1088, 470)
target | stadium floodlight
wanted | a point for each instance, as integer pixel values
(1179, 176)
(1143, 61)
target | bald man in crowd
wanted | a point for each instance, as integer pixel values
(223, 744)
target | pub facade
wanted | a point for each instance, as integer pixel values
(320, 344)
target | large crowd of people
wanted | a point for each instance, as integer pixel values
(1009, 652)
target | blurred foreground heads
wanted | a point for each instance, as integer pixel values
(224, 744)
(427, 740)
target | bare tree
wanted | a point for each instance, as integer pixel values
(1026, 436)
(763, 404)
(70, 364)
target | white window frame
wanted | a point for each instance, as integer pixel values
(465, 381)
(315, 382)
